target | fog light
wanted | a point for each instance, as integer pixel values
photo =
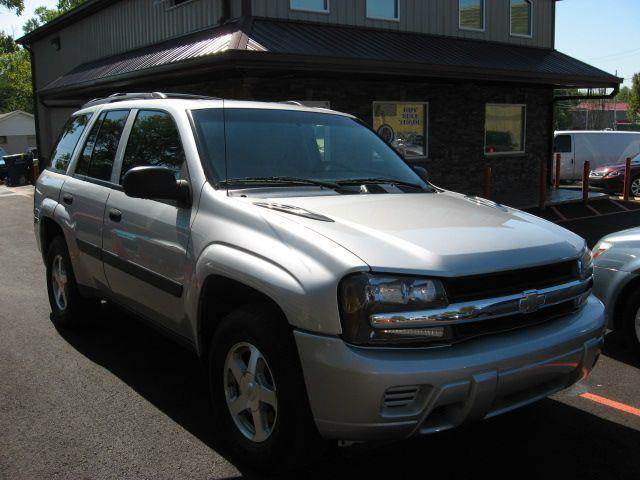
(436, 332)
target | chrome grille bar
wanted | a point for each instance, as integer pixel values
(522, 303)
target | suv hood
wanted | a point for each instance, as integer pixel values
(444, 234)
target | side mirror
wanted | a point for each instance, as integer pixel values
(156, 183)
(422, 173)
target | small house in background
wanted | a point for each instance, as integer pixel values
(17, 132)
(600, 115)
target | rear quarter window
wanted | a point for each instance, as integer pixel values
(63, 151)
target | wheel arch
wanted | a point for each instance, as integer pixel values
(621, 301)
(49, 229)
(229, 295)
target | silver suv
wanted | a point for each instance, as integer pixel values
(331, 292)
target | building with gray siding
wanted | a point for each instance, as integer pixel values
(454, 85)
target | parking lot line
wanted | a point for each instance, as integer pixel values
(611, 403)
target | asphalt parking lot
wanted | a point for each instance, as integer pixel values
(117, 400)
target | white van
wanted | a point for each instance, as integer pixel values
(598, 147)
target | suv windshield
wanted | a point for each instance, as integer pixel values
(258, 146)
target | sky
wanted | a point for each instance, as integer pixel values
(603, 33)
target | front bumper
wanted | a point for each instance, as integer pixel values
(364, 394)
(609, 184)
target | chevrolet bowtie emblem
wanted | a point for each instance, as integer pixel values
(531, 301)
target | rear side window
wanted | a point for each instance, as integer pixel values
(562, 144)
(99, 150)
(154, 141)
(61, 155)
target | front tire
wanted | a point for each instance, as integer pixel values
(261, 411)
(69, 308)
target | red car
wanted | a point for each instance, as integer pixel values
(611, 177)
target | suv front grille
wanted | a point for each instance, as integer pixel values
(467, 331)
(477, 287)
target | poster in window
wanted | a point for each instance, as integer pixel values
(403, 126)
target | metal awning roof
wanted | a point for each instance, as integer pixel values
(273, 44)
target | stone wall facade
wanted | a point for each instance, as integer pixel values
(456, 123)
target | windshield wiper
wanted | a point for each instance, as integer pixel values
(284, 180)
(379, 181)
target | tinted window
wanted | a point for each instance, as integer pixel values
(61, 155)
(471, 14)
(82, 167)
(562, 144)
(521, 17)
(387, 9)
(264, 143)
(315, 5)
(106, 144)
(504, 128)
(154, 140)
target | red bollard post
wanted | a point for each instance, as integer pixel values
(557, 176)
(543, 186)
(487, 182)
(586, 168)
(627, 180)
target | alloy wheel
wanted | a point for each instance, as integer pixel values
(250, 392)
(59, 282)
(635, 187)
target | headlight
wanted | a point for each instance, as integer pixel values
(363, 295)
(614, 173)
(600, 248)
(585, 263)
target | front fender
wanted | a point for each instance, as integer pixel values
(305, 306)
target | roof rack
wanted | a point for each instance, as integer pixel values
(121, 97)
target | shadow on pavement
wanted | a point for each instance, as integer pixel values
(546, 440)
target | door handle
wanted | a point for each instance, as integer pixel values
(115, 215)
(67, 198)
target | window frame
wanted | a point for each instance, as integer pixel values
(484, 19)
(92, 116)
(385, 19)
(122, 148)
(521, 35)
(425, 131)
(116, 159)
(524, 130)
(327, 11)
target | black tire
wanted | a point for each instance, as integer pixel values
(294, 440)
(77, 308)
(632, 308)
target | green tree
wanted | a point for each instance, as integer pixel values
(45, 15)
(623, 95)
(7, 44)
(17, 5)
(15, 81)
(634, 100)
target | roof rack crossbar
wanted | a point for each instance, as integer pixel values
(122, 96)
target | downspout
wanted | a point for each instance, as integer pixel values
(247, 9)
(226, 12)
(562, 98)
(32, 59)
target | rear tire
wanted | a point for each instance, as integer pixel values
(263, 417)
(631, 322)
(69, 308)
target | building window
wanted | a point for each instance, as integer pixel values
(403, 125)
(383, 9)
(471, 14)
(177, 3)
(521, 18)
(504, 129)
(310, 5)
